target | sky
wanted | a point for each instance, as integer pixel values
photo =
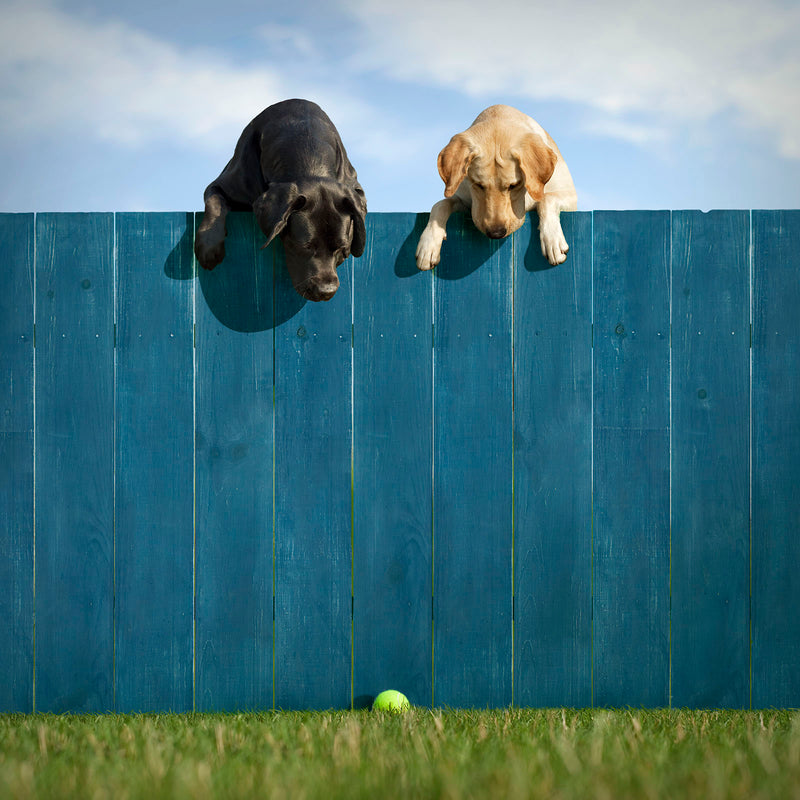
(137, 106)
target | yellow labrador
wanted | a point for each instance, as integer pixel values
(500, 168)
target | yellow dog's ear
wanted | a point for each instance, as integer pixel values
(537, 162)
(454, 162)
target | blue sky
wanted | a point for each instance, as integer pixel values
(121, 106)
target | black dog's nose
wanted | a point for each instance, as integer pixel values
(322, 291)
(497, 232)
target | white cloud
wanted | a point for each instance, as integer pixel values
(110, 81)
(290, 38)
(641, 135)
(681, 61)
(639, 71)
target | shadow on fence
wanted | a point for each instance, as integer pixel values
(251, 290)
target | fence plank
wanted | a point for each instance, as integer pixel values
(776, 458)
(710, 459)
(393, 362)
(16, 463)
(234, 476)
(553, 469)
(74, 462)
(154, 519)
(313, 480)
(631, 458)
(472, 470)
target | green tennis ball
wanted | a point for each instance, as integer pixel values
(391, 700)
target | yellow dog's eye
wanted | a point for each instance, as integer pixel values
(515, 185)
(478, 186)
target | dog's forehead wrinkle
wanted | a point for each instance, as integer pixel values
(497, 168)
(328, 230)
(322, 193)
(480, 168)
(300, 228)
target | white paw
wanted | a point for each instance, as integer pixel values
(554, 245)
(429, 249)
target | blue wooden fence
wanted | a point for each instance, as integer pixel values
(499, 483)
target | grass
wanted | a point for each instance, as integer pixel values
(515, 753)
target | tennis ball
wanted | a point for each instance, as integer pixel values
(391, 700)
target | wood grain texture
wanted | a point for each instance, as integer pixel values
(313, 480)
(776, 458)
(16, 464)
(343, 490)
(74, 462)
(234, 477)
(631, 458)
(392, 390)
(154, 509)
(710, 459)
(553, 469)
(472, 470)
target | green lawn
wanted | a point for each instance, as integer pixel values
(493, 754)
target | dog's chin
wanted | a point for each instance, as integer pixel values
(318, 292)
(316, 286)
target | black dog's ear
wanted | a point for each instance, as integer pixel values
(273, 208)
(356, 207)
(359, 236)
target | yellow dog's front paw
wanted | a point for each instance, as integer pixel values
(554, 245)
(429, 250)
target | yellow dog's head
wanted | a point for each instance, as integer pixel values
(501, 163)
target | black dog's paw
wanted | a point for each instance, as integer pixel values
(209, 253)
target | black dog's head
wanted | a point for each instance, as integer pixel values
(321, 223)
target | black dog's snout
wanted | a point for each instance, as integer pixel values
(321, 291)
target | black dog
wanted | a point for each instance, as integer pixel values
(290, 167)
